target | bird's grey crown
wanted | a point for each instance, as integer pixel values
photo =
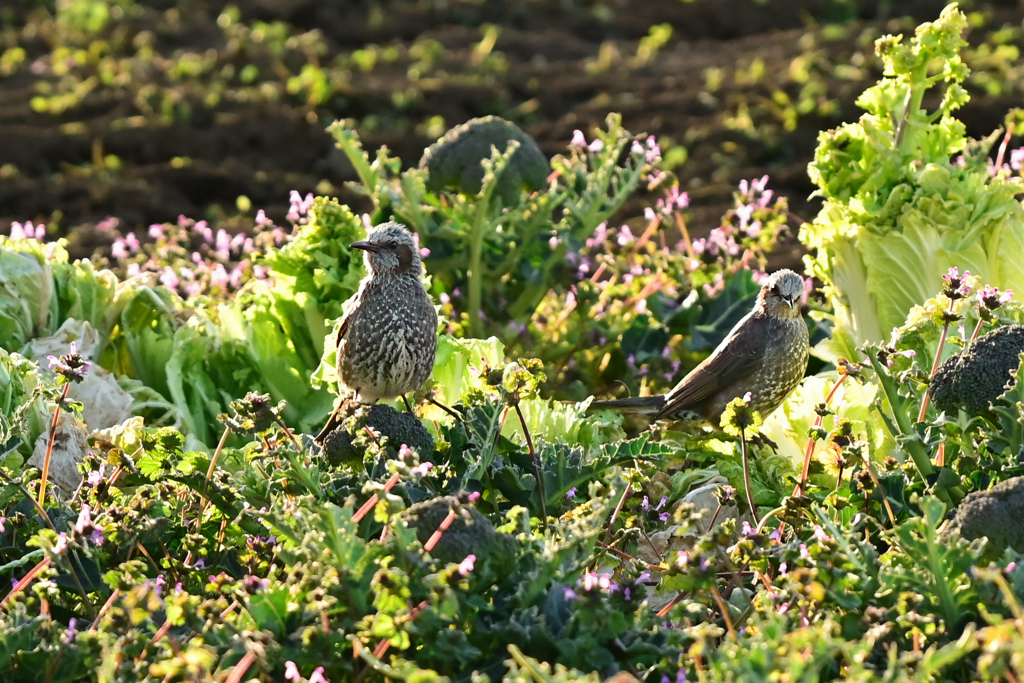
(790, 285)
(387, 259)
(386, 232)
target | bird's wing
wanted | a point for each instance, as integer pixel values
(737, 356)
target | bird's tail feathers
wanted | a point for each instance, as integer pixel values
(643, 405)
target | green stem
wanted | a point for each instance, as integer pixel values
(536, 466)
(746, 476)
(913, 446)
(476, 282)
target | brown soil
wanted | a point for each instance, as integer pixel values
(550, 86)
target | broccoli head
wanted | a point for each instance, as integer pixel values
(978, 376)
(454, 160)
(399, 428)
(470, 533)
(995, 514)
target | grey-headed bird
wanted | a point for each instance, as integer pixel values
(388, 335)
(764, 355)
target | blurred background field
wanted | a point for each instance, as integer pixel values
(144, 111)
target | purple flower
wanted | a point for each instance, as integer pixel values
(71, 630)
(261, 218)
(645, 505)
(992, 298)
(169, 279)
(466, 566)
(625, 236)
(571, 493)
(2, 520)
(71, 365)
(664, 499)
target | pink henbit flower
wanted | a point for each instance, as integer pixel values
(578, 140)
(992, 298)
(291, 672)
(466, 566)
(261, 218)
(422, 469)
(596, 145)
(318, 676)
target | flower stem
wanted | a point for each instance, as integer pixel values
(935, 365)
(49, 444)
(809, 453)
(746, 477)
(536, 467)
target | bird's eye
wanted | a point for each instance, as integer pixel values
(775, 291)
(392, 245)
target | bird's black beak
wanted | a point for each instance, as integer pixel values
(789, 302)
(365, 246)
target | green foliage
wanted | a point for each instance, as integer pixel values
(518, 538)
(898, 209)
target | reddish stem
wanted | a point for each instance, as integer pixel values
(436, 536)
(243, 665)
(26, 580)
(103, 610)
(49, 444)
(811, 442)
(935, 366)
(615, 515)
(368, 505)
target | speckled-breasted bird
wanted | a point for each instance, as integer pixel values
(388, 335)
(765, 355)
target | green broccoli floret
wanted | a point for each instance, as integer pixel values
(470, 533)
(398, 426)
(995, 514)
(454, 160)
(978, 376)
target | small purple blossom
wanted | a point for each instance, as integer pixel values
(70, 635)
(466, 566)
(571, 493)
(71, 366)
(27, 231)
(992, 298)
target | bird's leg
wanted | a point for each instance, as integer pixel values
(406, 401)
